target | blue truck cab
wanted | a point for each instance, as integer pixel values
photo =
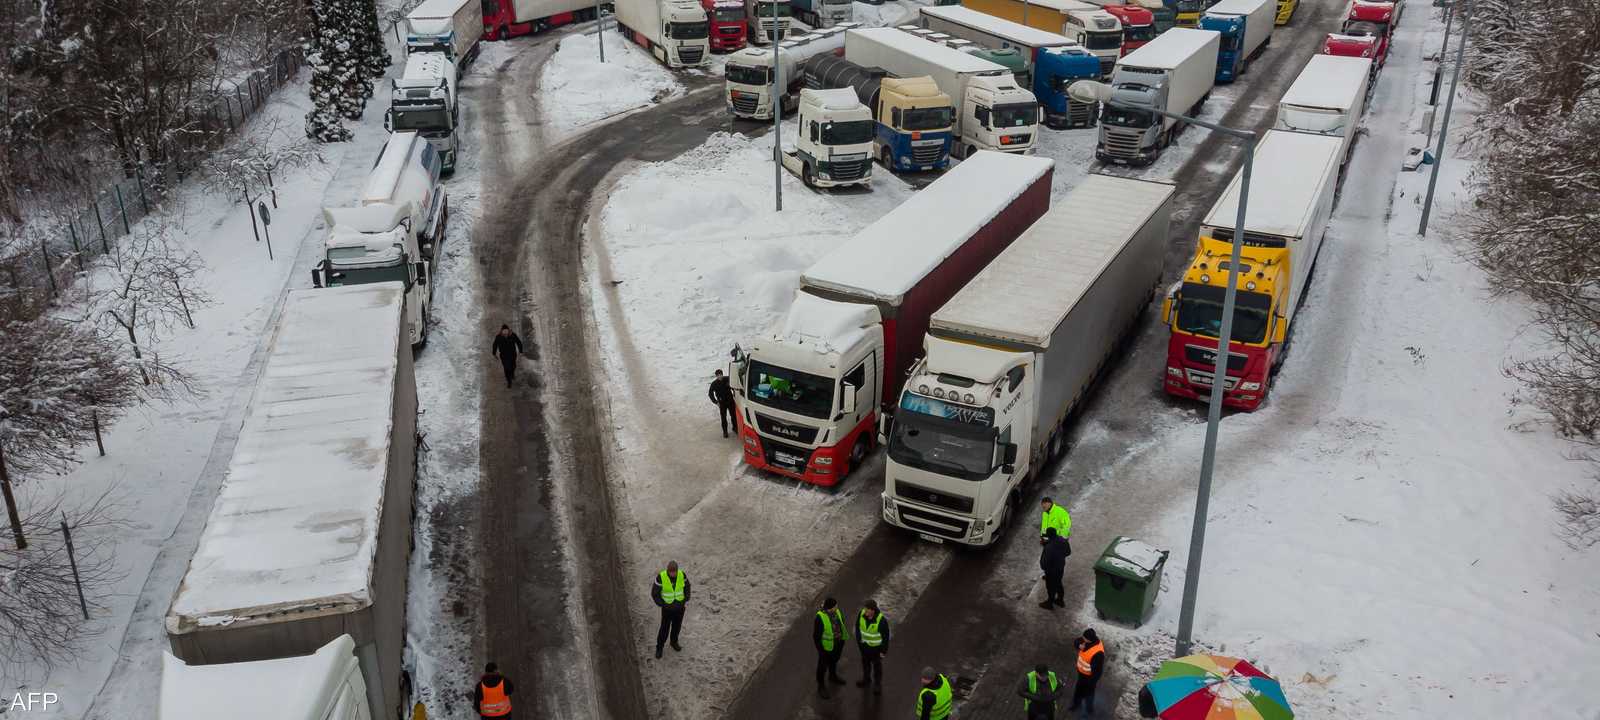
(1230, 55)
(1054, 69)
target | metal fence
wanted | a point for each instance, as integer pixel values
(45, 253)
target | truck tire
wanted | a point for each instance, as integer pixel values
(887, 159)
(858, 453)
(805, 176)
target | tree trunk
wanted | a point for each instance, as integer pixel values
(136, 354)
(11, 503)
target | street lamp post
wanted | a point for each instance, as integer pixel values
(1449, 104)
(1092, 91)
(777, 114)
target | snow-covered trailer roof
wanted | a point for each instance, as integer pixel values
(835, 99)
(296, 688)
(1235, 7)
(432, 9)
(889, 257)
(385, 177)
(927, 50)
(1286, 181)
(1169, 49)
(1028, 290)
(295, 525)
(1329, 81)
(1017, 33)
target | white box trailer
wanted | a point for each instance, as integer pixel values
(310, 536)
(992, 111)
(990, 31)
(1015, 352)
(452, 27)
(1174, 72)
(1327, 98)
(676, 32)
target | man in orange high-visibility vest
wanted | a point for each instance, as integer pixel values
(1091, 664)
(492, 698)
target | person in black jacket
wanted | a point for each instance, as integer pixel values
(1053, 561)
(497, 684)
(872, 637)
(721, 394)
(828, 633)
(1091, 665)
(507, 346)
(671, 607)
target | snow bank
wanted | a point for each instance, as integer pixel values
(576, 89)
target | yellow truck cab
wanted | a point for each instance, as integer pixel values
(1286, 11)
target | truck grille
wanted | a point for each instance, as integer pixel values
(1106, 66)
(933, 523)
(1208, 357)
(849, 169)
(729, 30)
(927, 155)
(744, 104)
(690, 56)
(785, 456)
(797, 433)
(1119, 142)
(1081, 114)
(929, 497)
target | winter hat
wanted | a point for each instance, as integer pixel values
(829, 603)
(1090, 636)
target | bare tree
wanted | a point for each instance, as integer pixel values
(41, 618)
(145, 288)
(247, 168)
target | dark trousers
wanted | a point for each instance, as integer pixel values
(509, 364)
(1056, 589)
(671, 623)
(871, 665)
(726, 416)
(1083, 694)
(828, 664)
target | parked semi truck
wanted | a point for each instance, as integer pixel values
(452, 27)
(391, 236)
(1327, 98)
(1138, 22)
(1163, 14)
(1292, 187)
(810, 391)
(1096, 30)
(766, 29)
(747, 76)
(834, 144)
(726, 18)
(1054, 60)
(296, 593)
(503, 19)
(1187, 12)
(819, 14)
(1246, 29)
(1014, 353)
(676, 32)
(912, 118)
(992, 111)
(1175, 73)
(423, 100)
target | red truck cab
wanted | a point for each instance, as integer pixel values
(1138, 25)
(727, 24)
(1361, 39)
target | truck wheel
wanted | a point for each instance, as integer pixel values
(858, 453)
(887, 159)
(971, 150)
(1058, 445)
(805, 176)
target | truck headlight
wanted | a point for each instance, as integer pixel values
(824, 460)
(749, 441)
(977, 530)
(888, 504)
(1175, 372)
(1250, 386)
(822, 175)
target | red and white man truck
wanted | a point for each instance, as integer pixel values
(808, 393)
(1012, 356)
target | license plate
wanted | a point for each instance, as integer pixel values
(787, 459)
(931, 538)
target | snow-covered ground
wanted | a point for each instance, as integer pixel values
(576, 89)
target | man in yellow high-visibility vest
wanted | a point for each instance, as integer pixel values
(828, 634)
(1053, 516)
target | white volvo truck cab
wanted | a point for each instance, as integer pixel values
(998, 114)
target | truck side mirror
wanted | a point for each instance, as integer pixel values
(316, 276)
(1280, 329)
(848, 402)
(885, 423)
(1011, 454)
(422, 273)
(1166, 309)
(388, 121)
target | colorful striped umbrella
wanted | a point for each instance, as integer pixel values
(1212, 687)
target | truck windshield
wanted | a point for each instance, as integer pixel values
(748, 75)
(1138, 33)
(367, 276)
(730, 14)
(932, 118)
(1191, 6)
(765, 10)
(849, 132)
(1363, 28)
(790, 390)
(421, 120)
(689, 30)
(1229, 43)
(1103, 40)
(1200, 313)
(1126, 117)
(1312, 120)
(1014, 115)
(947, 447)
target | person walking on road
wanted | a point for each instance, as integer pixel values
(828, 634)
(936, 700)
(721, 394)
(507, 346)
(492, 697)
(1091, 664)
(1054, 516)
(1053, 561)
(670, 593)
(1040, 691)
(872, 636)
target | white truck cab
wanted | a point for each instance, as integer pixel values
(998, 114)
(423, 100)
(325, 685)
(834, 144)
